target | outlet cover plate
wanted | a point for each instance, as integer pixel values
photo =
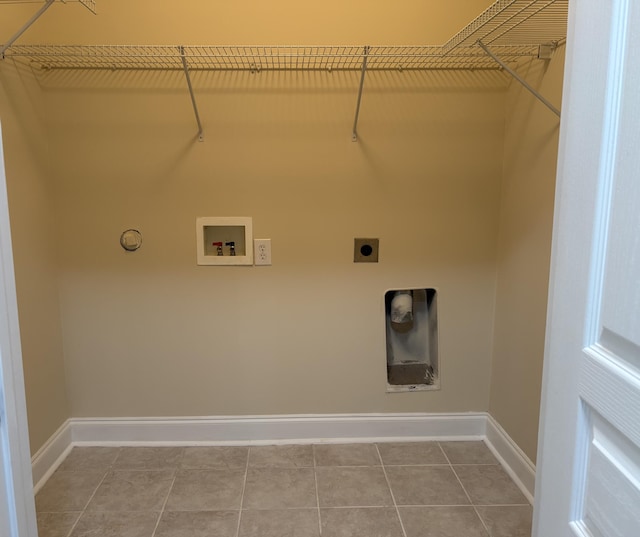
(262, 251)
(365, 250)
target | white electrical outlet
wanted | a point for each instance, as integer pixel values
(262, 251)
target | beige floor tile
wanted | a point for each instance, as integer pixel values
(116, 524)
(198, 524)
(346, 455)
(148, 458)
(489, 485)
(511, 521)
(425, 485)
(280, 523)
(353, 487)
(441, 522)
(396, 453)
(222, 457)
(68, 491)
(124, 489)
(281, 456)
(279, 488)
(206, 490)
(56, 524)
(468, 453)
(361, 522)
(89, 459)
(132, 490)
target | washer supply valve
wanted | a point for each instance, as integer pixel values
(218, 246)
(232, 247)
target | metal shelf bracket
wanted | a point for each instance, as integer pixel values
(193, 97)
(522, 81)
(354, 135)
(89, 4)
(25, 27)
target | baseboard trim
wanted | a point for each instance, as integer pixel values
(255, 430)
(292, 429)
(47, 459)
(512, 458)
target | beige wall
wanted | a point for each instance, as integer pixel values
(526, 219)
(32, 228)
(151, 333)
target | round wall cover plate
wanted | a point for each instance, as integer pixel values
(131, 240)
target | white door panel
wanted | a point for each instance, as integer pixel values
(5, 523)
(17, 508)
(613, 491)
(589, 466)
(621, 294)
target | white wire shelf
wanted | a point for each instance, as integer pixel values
(257, 58)
(512, 28)
(506, 32)
(525, 22)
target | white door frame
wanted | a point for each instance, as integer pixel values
(17, 506)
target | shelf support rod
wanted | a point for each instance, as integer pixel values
(25, 27)
(193, 97)
(354, 136)
(522, 81)
(90, 5)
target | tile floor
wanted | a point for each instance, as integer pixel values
(419, 489)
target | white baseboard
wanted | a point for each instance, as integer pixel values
(512, 458)
(293, 429)
(298, 429)
(50, 455)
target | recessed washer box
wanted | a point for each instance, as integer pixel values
(411, 324)
(225, 235)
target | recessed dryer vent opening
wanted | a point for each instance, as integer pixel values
(411, 321)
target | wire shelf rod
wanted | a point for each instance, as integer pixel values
(354, 134)
(522, 81)
(193, 97)
(89, 4)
